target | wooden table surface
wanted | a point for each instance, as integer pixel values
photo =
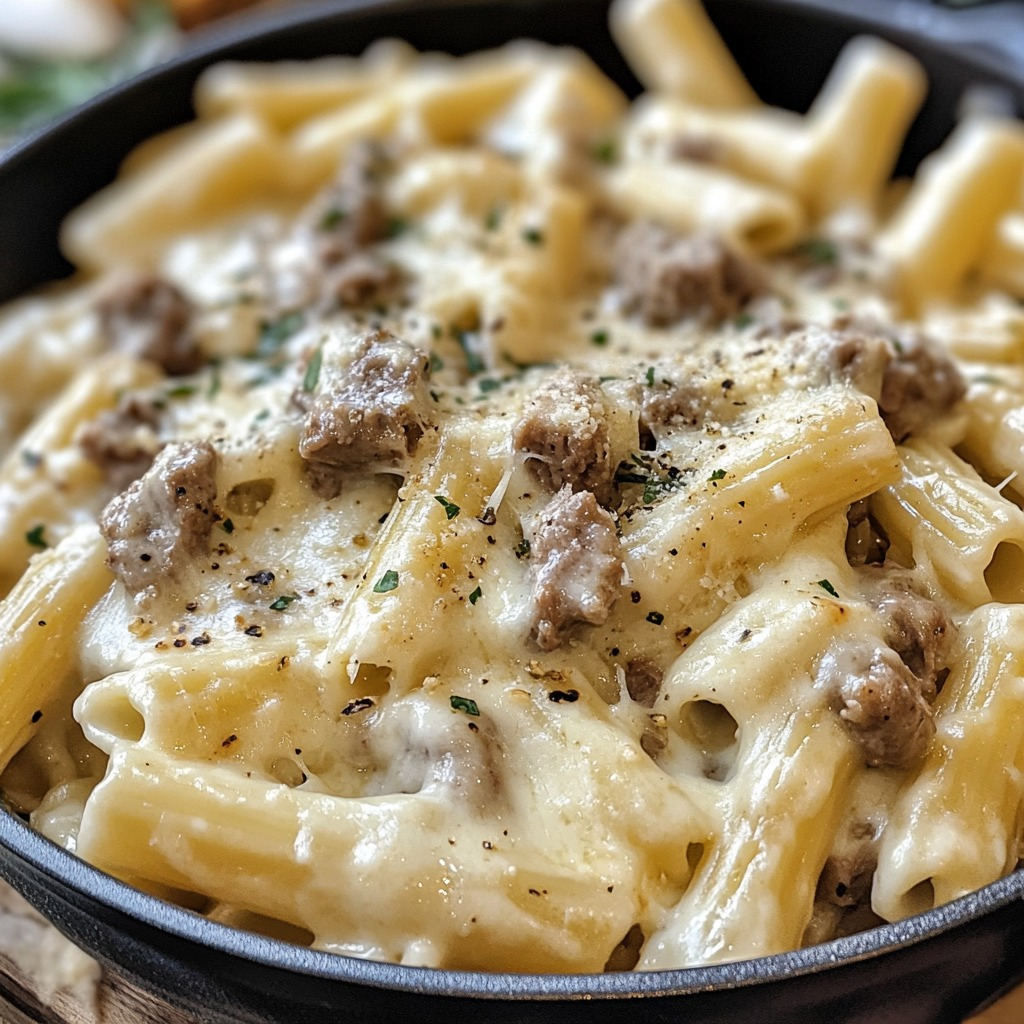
(44, 979)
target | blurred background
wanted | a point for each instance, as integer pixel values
(56, 53)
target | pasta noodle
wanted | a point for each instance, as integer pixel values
(460, 518)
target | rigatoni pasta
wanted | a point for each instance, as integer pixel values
(463, 519)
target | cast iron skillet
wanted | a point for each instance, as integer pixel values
(937, 967)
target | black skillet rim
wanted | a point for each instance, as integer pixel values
(70, 873)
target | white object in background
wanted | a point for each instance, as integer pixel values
(60, 28)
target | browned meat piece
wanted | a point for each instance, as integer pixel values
(866, 540)
(163, 521)
(147, 317)
(672, 400)
(577, 566)
(360, 280)
(845, 881)
(665, 277)
(920, 384)
(643, 681)
(564, 427)
(882, 703)
(917, 629)
(851, 354)
(352, 214)
(371, 404)
(123, 441)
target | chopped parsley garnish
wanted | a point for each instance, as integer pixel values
(274, 333)
(464, 704)
(719, 474)
(599, 338)
(282, 602)
(31, 459)
(657, 480)
(228, 526)
(533, 236)
(649, 376)
(35, 537)
(474, 364)
(986, 378)
(436, 362)
(181, 391)
(489, 384)
(397, 226)
(213, 389)
(605, 151)
(475, 596)
(522, 549)
(656, 618)
(450, 508)
(493, 220)
(389, 581)
(828, 588)
(332, 218)
(312, 374)
(821, 252)
(743, 320)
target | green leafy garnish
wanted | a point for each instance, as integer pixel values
(474, 364)
(649, 376)
(181, 391)
(228, 526)
(465, 705)
(828, 588)
(819, 251)
(493, 220)
(605, 151)
(389, 581)
(533, 236)
(332, 218)
(282, 602)
(488, 384)
(312, 374)
(743, 320)
(522, 549)
(450, 508)
(475, 596)
(599, 338)
(274, 333)
(719, 474)
(35, 537)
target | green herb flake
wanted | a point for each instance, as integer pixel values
(213, 388)
(719, 474)
(522, 549)
(828, 588)
(742, 321)
(387, 582)
(450, 508)
(656, 618)
(35, 537)
(605, 151)
(228, 526)
(533, 236)
(822, 252)
(181, 391)
(436, 362)
(649, 376)
(493, 219)
(599, 338)
(397, 226)
(332, 218)
(281, 603)
(474, 364)
(489, 384)
(465, 705)
(475, 596)
(274, 333)
(312, 374)
(987, 378)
